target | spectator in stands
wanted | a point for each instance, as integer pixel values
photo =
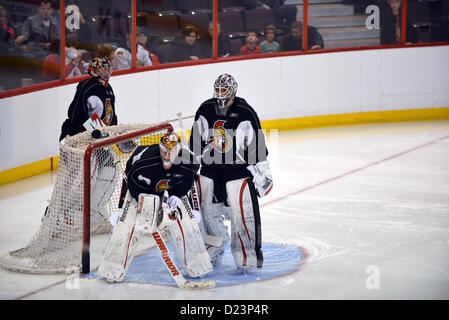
(293, 41)
(142, 39)
(269, 44)
(51, 68)
(223, 43)
(284, 14)
(390, 23)
(251, 45)
(39, 31)
(74, 65)
(123, 56)
(187, 47)
(105, 50)
(7, 34)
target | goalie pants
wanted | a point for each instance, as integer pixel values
(231, 194)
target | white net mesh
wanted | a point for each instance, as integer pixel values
(57, 245)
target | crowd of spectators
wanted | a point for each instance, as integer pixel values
(35, 42)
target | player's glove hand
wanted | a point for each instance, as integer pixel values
(263, 180)
(174, 201)
(169, 216)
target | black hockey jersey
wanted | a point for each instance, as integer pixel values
(228, 141)
(78, 112)
(146, 174)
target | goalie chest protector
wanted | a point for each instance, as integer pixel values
(220, 132)
(146, 174)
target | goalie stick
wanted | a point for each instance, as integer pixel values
(174, 271)
(169, 263)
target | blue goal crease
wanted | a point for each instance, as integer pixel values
(279, 260)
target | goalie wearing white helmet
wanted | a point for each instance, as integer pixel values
(228, 138)
(156, 198)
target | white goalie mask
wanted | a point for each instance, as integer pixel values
(169, 146)
(225, 89)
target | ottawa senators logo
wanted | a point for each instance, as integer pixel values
(109, 114)
(221, 141)
(162, 185)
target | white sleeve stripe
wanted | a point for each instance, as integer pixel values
(203, 127)
(94, 105)
(244, 134)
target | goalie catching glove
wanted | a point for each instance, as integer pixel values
(172, 209)
(263, 180)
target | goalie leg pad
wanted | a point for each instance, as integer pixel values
(213, 217)
(147, 211)
(104, 179)
(118, 254)
(246, 235)
(188, 243)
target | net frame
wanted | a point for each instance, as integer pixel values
(33, 258)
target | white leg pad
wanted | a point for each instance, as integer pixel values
(118, 254)
(244, 240)
(148, 207)
(104, 180)
(213, 216)
(188, 244)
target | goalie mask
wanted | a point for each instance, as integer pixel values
(100, 68)
(169, 147)
(225, 89)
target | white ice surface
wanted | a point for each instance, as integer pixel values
(362, 201)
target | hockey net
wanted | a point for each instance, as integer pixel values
(86, 192)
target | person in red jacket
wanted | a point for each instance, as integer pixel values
(251, 45)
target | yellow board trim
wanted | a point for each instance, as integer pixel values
(42, 166)
(356, 118)
(28, 170)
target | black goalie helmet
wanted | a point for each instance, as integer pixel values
(225, 89)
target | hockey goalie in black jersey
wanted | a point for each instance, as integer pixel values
(93, 95)
(227, 137)
(153, 175)
(94, 98)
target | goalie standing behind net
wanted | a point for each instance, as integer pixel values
(152, 172)
(93, 95)
(94, 99)
(227, 136)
